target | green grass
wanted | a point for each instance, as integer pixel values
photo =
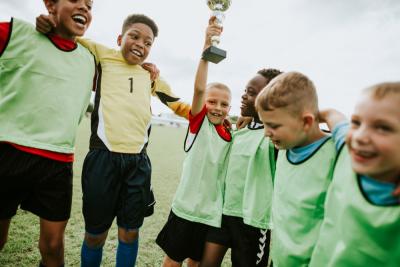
(166, 153)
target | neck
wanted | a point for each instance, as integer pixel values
(314, 135)
(256, 119)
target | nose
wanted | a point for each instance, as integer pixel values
(267, 132)
(244, 97)
(360, 135)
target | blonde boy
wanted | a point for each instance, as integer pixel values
(198, 201)
(288, 107)
(362, 219)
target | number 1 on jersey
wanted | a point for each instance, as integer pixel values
(131, 80)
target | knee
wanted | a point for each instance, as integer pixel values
(128, 236)
(94, 241)
(53, 247)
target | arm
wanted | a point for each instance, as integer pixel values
(337, 124)
(162, 90)
(331, 117)
(202, 69)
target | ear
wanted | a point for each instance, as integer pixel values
(50, 6)
(308, 121)
(119, 40)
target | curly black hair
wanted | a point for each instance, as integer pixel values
(140, 18)
(269, 74)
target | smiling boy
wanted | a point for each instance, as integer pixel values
(362, 219)
(45, 84)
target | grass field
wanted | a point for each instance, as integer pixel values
(166, 153)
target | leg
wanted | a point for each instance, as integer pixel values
(213, 255)
(128, 245)
(4, 226)
(192, 263)
(51, 242)
(92, 249)
(168, 262)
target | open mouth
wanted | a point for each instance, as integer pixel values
(136, 53)
(80, 20)
(361, 155)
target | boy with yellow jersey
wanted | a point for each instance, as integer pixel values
(288, 107)
(116, 172)
(362, 216)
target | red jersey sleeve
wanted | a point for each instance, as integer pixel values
(4, 35)
(196, 121)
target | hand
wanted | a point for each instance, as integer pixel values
(212, 30)
(45, 23)
(243, 122)
(154, 71)
(227, 123)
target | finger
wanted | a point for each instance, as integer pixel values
(211, 21)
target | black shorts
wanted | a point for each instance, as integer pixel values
(249, 245)
(116, 185)
(181, 239)
(40, 185)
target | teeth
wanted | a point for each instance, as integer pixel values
(79, 18)
(137, 53)
(365, 154)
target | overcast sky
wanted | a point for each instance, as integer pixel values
(343, 45)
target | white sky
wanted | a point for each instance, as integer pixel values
(343, 45)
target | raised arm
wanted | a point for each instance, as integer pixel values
(202, 70)
(331, 117)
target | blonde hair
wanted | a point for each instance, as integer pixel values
(381, 90)
(292, 90)
(217, 85)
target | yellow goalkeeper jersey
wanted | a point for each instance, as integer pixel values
(122, 113)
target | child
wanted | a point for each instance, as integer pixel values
(45, 87)
(197, 205)
(120, 132)
(248, 189)
(288, 107)
(362, 217)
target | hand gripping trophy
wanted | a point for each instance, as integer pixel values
(213, 53)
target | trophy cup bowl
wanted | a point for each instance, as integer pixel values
(213, 53)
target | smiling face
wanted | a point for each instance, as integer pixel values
(217, 104)
(136, 43)
(253, 87)
(72, 17)
(285, 130)
(374, 137)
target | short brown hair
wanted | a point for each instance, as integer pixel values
(140, 18)
(291, 90)
(382, 90)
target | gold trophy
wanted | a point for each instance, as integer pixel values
(213, 53)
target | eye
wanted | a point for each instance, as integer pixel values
(148, 44)
(272, 126)
(383, 128)
(355, 123)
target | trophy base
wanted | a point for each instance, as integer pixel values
(214, 54)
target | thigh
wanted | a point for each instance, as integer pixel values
(101, 187)
(181, 239)
(135, 194)
(250, 245)
(15, 184)
(51, 198)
